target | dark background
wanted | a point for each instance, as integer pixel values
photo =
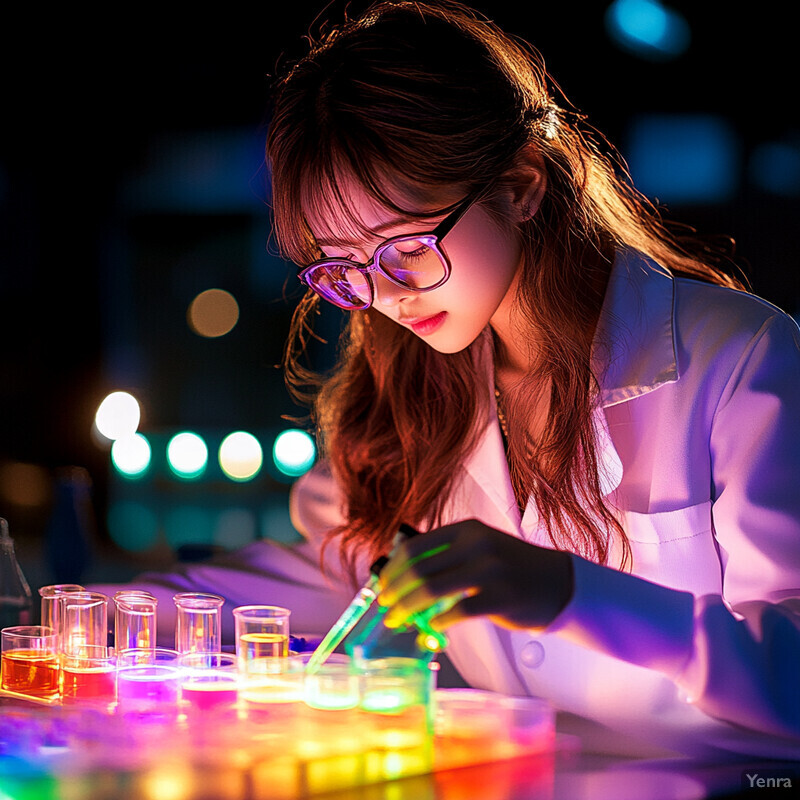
(130, 179)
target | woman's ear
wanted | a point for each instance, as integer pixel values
(528, 181)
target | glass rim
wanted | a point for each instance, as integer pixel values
(252, 610)
(202, 599)
(57, 589)
(97, 597)
(29, 631)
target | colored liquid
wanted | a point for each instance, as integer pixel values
(203, 693)
(30, 672)
(258, 649)
(92, 683)
(148, 685)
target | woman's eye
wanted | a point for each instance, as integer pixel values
(411, 249)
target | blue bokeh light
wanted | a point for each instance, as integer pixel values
(648, 29)
(684, 158)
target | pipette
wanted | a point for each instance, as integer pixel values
(358, 606)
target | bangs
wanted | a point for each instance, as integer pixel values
(321, 197)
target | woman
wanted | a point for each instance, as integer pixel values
(595, 422)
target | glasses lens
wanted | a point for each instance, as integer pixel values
(341, 285)
(417, 263)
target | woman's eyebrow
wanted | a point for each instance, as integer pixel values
(376, 232)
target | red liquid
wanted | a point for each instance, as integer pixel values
(30, 672)
(98, 683)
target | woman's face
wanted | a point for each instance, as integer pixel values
(484, 260)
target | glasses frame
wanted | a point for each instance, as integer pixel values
(432, 239)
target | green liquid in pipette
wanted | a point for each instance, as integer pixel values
(352, 614)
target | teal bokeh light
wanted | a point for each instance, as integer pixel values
(294, 452)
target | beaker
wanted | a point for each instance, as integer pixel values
(148, 679)
(51, 606)
(134, 620)
(262, 636)
(84, 622)
(197, 622)
(30, 660)
(209, 680)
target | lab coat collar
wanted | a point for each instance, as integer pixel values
(634, 354)
(634, 349)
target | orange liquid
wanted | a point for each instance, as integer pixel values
(30, 672)
(93, 683)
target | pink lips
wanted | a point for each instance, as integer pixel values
(427, 325)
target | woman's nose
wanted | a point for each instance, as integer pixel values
(388, 293)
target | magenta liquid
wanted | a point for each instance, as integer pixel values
(148, 685)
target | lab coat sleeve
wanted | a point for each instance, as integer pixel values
(734, 656)
(266, 572)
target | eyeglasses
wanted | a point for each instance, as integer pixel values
(413, 261)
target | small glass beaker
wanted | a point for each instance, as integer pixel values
(89, 678)
(148, 679)
(134, 619)
(397, 693)
(51, 605)
(84, 622)
(198, 622)
(30, 660)
(334, 686)
(209, 680)
(262, 636)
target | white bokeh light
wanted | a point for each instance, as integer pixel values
(118, 416)
(131, 454)
(240, 456)
(187, 455)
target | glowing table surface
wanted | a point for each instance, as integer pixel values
(562, 772)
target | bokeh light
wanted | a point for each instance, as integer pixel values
(241, 456)
(213, 313)
(118, 415)
(648, 28)
(187, 455)
(131, 455)
(294, 452)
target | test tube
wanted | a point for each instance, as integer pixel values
(134, 620)
(51, 606)
(84, 622)
(197, 622)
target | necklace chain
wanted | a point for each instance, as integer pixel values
(501, 417)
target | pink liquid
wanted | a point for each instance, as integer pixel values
(212, 692)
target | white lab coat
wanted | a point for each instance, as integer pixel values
(697, 648)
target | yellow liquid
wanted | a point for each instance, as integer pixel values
(264, 645)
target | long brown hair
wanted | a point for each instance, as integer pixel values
(428, 98)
